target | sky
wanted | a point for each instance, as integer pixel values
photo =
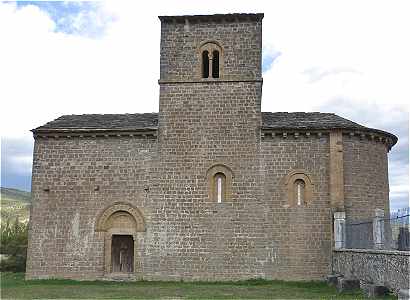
(346, 57)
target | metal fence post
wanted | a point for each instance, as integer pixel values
(378, 228)
(339, 229)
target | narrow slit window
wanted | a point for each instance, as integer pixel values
(220, 187)
(300, 192)
(215, 64)
(205, 64)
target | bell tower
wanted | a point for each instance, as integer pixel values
(210, 99)
(208, 126)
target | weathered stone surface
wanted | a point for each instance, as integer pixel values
(365, 184)
(381, 267)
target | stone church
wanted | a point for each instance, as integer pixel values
(208, 188)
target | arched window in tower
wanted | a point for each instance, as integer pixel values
(215, 64)
(211, 58)
(220, 187)
(299, 192)
(205, 64)
(219, 178)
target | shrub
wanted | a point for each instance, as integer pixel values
(13, 243)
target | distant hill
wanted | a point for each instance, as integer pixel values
(15, 194)
(14, 203)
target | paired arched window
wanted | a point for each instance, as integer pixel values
(219, 183)
(210, 60)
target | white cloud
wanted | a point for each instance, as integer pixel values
(22, 164)
(16, 156)
(46, 74)
(339, 35)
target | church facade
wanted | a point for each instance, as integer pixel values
(208, 188)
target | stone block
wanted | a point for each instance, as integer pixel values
(374, 290)
(344, 284)
(404, 294)
(333, 279)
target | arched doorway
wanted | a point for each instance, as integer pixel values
(121, 223)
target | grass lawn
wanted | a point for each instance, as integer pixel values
(13, 286)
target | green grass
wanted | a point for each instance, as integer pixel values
(13, 286)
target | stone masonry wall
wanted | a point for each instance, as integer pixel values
(387, 268)
(84, 176)
(203, 123)
(188, 236)
(301, 236)
(365, 177)
(366, 188)
(241, 43)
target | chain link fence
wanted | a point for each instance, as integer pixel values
(359, 234)
(399, 225)
(391, 233)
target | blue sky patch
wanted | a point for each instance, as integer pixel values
(268, 59)
(77, 18)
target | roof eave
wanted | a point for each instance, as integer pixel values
(393, 138)
(215, 17)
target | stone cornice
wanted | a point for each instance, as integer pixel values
(373, 135)
(374, 251)
(208, 80)
(217, 18)
(296, 133)
(266, 133)
(93, 133)
(370, 134)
